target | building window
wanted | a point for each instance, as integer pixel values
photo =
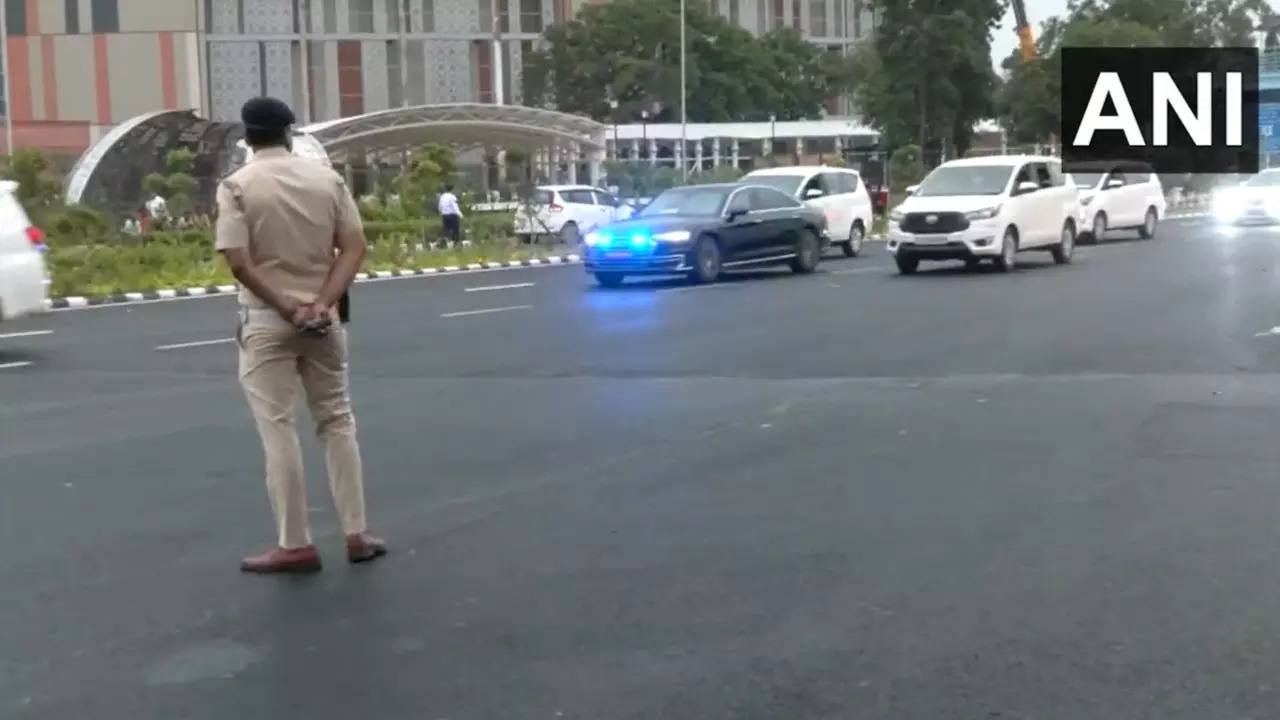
(504, 16)
(779, 14)
(840, 30)
(796, 17)
(360, 15)
(15, 17)
(818, 18)
(330, 9)
(104, 14)
(395, 81)
(71, 10)
(428, 16)
(734, 11)
(350, 79)
(531, 16)
(393, 15)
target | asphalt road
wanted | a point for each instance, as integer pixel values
(1049, 495)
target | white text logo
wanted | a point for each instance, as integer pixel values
(1165, 97)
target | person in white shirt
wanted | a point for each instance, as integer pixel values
(450, 216)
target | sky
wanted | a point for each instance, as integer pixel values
(1005, 39)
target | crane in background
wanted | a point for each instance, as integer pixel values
(1026, 36)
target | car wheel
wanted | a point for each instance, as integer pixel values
(706, 262)
(1099, 228)
(569, 233)
(610, 279)
(1148, 229)
(907, 265)
(856, 234)
(808, 253)
(1066, 247)
(1008, 258)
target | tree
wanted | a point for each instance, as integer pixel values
(175, 185)
(39, 189)
(1028, 102)
(430, 168)
(627, 52)
(926, 77)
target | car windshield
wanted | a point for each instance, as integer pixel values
(786, 183)
(687, 201)
(1086, 180)
(965, 180)
(1266, 179)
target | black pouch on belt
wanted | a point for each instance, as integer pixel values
(344, 308)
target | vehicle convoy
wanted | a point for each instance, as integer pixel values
(568, 212)
(989, 208)
(839, 193)
(699, 231)
(22, 267)
(1118, 196)
(1255, 201)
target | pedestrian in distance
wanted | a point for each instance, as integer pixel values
(450, 216)
(292, 236)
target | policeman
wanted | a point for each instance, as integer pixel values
(280, 220)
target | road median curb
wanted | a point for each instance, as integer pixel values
(70, 303)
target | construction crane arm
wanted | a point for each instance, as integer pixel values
(1026, 37)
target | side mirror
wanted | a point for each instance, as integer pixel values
(912, 189)
(1026, 187)
(1113, 183)
(813, 194)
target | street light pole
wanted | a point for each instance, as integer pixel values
(684, 94)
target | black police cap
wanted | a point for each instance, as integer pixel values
(266, 113)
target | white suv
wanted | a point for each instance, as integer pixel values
(22, 270)
(838, 192)
(1118, 196)
(987, 208)
(569, 211)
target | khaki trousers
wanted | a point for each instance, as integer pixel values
(275, 362)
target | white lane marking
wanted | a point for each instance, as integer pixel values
(30, 333)
(512, 286)
(486, 311)
(14, 365)
(197, 343)
(1267, 333)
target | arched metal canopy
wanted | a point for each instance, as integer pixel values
(465, 124)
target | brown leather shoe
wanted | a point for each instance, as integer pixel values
(363, 547)
(284, 560)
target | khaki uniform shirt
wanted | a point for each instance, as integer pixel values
(286, 211)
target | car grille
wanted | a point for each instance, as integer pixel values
(944, 222)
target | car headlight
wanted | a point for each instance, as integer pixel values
(983, 214)
(593, 238)
(675, 236)
(895, 215)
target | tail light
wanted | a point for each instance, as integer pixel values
(556, 208)
(36, 236)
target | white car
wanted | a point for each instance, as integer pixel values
(988, 208)
(1119, 197)
(22, 269)
(838, 192)
(569, 211)
(1254, 201)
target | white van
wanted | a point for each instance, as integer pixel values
(838, 192)
(567, 211)
(22, 268)
(1118, 196)
(989, 208)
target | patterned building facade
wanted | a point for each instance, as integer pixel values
(78, 67)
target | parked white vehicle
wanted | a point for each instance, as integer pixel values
(838, 192)
(988, 208)
(22, 268)
(1118, 197)
(569, 211)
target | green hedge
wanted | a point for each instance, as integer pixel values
(187, 259)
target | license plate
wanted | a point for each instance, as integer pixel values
(932, 239)
(617, 254)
